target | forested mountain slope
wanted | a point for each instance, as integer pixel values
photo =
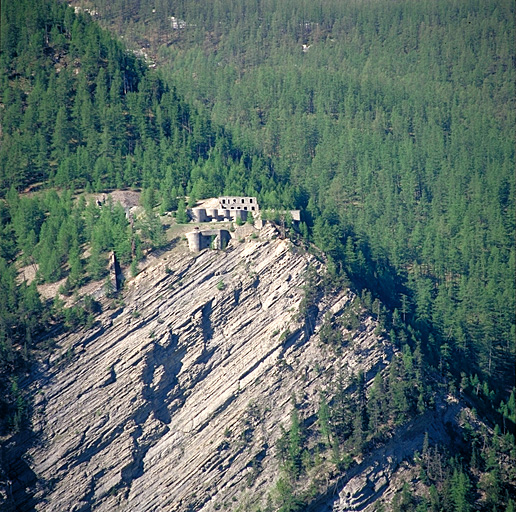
(391, 122)
(80, 111)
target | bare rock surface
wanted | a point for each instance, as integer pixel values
(165, 403)
(386, 470)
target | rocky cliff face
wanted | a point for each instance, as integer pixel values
(175, 400)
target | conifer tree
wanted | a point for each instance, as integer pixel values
(324, 421)
(181, 216)
(76, 274)
(96, 264)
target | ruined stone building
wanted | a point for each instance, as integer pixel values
(214, 238)
(238, 203)
(115, 272)
(230, 208)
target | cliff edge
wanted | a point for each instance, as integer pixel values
(175, 400)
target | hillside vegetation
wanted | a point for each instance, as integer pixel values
(390, 124)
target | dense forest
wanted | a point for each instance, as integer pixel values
(389, 124)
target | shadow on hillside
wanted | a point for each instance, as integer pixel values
(22, 481)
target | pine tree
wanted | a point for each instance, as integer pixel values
(460, 491)
(376, 404)
(181, 216)
(324, 421)
(49, 264)
(96, 264)
(61, 133)
(295, 444)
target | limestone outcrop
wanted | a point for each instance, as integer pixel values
(174, 400)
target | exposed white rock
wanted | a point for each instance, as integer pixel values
(164, 406)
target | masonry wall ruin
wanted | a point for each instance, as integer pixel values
(230, 208)
(214, 238)
(238, 203)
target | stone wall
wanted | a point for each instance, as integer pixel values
(238, 203)
(217, 214)
(215, 238)
(230, 208)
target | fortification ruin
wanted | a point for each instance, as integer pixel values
(115, 273)
(238, 203)
(230, 208)
(214, 238)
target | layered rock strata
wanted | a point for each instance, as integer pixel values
(171, 400)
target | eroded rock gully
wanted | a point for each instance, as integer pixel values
(164, 403)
